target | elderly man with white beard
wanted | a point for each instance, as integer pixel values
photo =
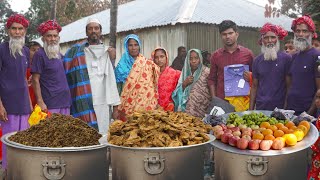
(15, 106)
(48, 76)
(269, 71)
(304, 75)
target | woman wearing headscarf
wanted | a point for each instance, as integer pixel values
(192, 92)
(168, 79)
(137, 79)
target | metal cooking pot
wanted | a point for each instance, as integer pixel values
(161, 163)
(44, 163)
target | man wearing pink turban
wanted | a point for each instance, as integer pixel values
(15, 106)
(269, 70)
(48, 76)
(303, 73)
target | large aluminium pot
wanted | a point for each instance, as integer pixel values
(157, 163)
(289, 163)
(44, 163)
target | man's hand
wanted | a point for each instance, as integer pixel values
(3, 114)
(29, 80)
(43, 106)
(112, 53)
(187, 81)
(115, 113)
(246, 76)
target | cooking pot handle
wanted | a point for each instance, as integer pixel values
(153, 164)
(53, 169)
(257, 165)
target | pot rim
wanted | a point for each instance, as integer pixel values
(104, 140)
(6, 141)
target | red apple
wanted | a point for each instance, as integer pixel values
(254, 144)
(223, 126)
(235, 129)
(218, 134)
(217, 128)
(265, 145)
(255, 131)
(246, 133)
(248, 137)
(230, 126)
(242, 143)
(225, 137)
(236, 133)
(278, 144)
(228, 131)
(247, 129)
(233, 140)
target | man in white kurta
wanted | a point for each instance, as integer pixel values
(91, 79)
(103, 84)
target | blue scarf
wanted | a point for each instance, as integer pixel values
(125, 64)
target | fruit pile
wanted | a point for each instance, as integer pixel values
(265, 137)
(252, 120)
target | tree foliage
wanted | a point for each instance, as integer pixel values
(5, 12)
(67, 11)
(295, 8)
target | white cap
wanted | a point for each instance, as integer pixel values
(93, 20)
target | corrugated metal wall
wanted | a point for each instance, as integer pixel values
(207, 37)
(197, 35)
(169, 37)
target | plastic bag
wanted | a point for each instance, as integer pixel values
(303, 116)
(37, 115)
(282, 114)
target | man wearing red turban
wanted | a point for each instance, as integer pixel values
(48, 77)
(15, 106)
(269, 70)
(305, 78)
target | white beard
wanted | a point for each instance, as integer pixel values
(16, 45)
(270, 51)
(52, 50)
(302, 43)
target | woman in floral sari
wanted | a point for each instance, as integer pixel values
(192, 92)
(137, 79)
(168, 79)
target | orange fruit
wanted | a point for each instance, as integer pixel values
(289, 124)
(291, 139)
(264, 125)
(284, 129)
(290, 131)
(267, 131)
(304, 129)
(293, 127)
(299, 134)
(306, 124)
(278, 133)
(279, 125)
(258, 136)
(269, 137)
(273, 128)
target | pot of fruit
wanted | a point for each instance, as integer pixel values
(252, 145)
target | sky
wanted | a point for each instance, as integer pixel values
(23, 5)
(19, 5)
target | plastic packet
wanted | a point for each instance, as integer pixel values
(282, 114)
(303, 116)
